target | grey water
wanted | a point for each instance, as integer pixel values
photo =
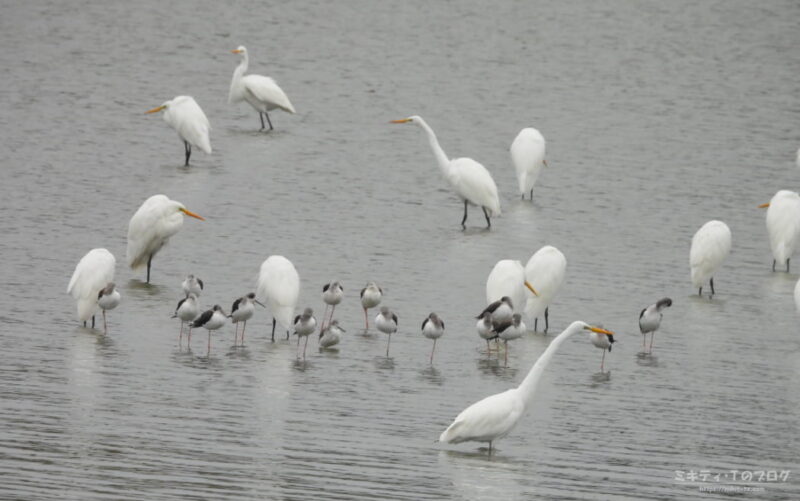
(659, 116)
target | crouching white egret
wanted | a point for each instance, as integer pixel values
(279, 285)
(710, 246)
(93, 273)
(783, 225)
(184, 115)
(495, 416)
(527, 155)
(650, 320)
(470, 180)
(545, 269)
(262, 93)
(151, 227)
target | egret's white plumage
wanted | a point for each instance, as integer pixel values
(710, 246)
(469, 179)
(507, 278)
(495, 416)
(151, 227)
(262, 93)
(93, 272)
(527, 155)
(545, 271)
(783, 225)
(279, 285)
(184, 115)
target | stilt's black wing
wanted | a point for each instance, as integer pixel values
(201, 283)
(204, 318)
(179, 305)
(325, 287)
(394, 317)
(425, 322)
(235, 305)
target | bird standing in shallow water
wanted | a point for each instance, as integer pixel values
(332, 294)
(495, 416)
(650, 320)
(187, 118)
(93, 272)
(602, 340)
(510, 330)
(546, 268)
(241, 311)
(212, 320)
(386, 321)
(527, 155)
(279, 284)
(108, 299)
(262, 93)
(433, 328)
(710, 246)
(486, 329)
(500, 310)
(192, 285)
(187, 311)
(371, 296)
(783, 225)
(331, 336)
(304, 326)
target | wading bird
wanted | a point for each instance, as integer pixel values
(710, 246)
(470, 180)
(500, 310)
(783, 225)
(386, 322)
(262, 93)
(485, 329)
(650, 320)
(151, 227)
(495, 416)
(187, 311)
(212, 320)
(433, 328)
(602, 340)
(371, 296)
(508, 331)
(241, 311)
(108, 299)
(92, 274)
(279, 285)
(187, 118)
(332, 294)
(507, 279)
(304, 326)
(192, 285)
(331, 336)
(546, 269)
(527, 155)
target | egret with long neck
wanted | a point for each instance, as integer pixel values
(262, 93)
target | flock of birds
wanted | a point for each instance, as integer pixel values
(511, 288)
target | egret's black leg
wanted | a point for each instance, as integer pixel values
(523, 196)
(531, 194)
(287, 336)
(273, 329)
(536, 324)
(700, 291)
(149, 260)
(546, 321)
(92, 321)
(84, 324)
(261, 116)
(712, 286)
(488, 221)
(773, 265)
(268, 120)
(490, 447)
(787, 265)
(188, 148)
(465, 215)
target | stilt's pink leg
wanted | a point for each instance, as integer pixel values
(602, 360)
(652, 335)
(432, 350)
(366, 320)
(105, 325)
(180, 339)
(387, 345)
(304, 348)
(209, 343)
(244, 326)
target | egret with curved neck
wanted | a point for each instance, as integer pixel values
(470, 180)
(495, 416)
(262, 93)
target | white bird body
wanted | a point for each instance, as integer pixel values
(371, 296)
(710, 246)
(650, 317)
(305, 324)
(495, 416)
(432, 327)
(513, 329)
(244, 310)
(187, 309)
(468, 178)
(528, 157)
(192, 285)
(109, 298)
(485, 327)
(507, 278)
(331, 336)
(93, 272)
(600, 340)
(386, 323)
(279, 284)
(545, 270)
(332, 293)
(783, 224)
(151, 227)
(260, 92)
(212, 319)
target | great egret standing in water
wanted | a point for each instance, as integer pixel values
(545, 269)
(279, 285)
(93, 273)
(710, 246)
(495, 416)
(783, 225)
(507, 278)
(527, 155)
(262, 93)
(470, 180)
(184, 115)
(150, 228)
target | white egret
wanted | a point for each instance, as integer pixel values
(507, 278)
(471, 181)
(602, 340)
(495, 416)
(331, 336)
(108, 299)
(527, 155)
(151, 227)
(192, 285)
(371, 296)
(279, 285)
(485, 329)
(332, 294)
(508, 331)
(262, 93)
(212, 320)
(386, 322)
(783, 225)
(187, 311)
(710, 246)
(650, 320)
(304, 326)
(433, 328)
(184, 115)
(545, 270)
(241, 311)
(92, 274)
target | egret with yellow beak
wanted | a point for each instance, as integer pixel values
(783, 225)
(185, 116)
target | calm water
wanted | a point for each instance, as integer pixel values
(658, 118)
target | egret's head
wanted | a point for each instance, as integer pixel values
(242, 50)
(180, 208)
(763, 206)
(163, 107)
(411, 119)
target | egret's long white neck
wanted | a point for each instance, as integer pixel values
(236, 82)
(438, 152)
(528, 386)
